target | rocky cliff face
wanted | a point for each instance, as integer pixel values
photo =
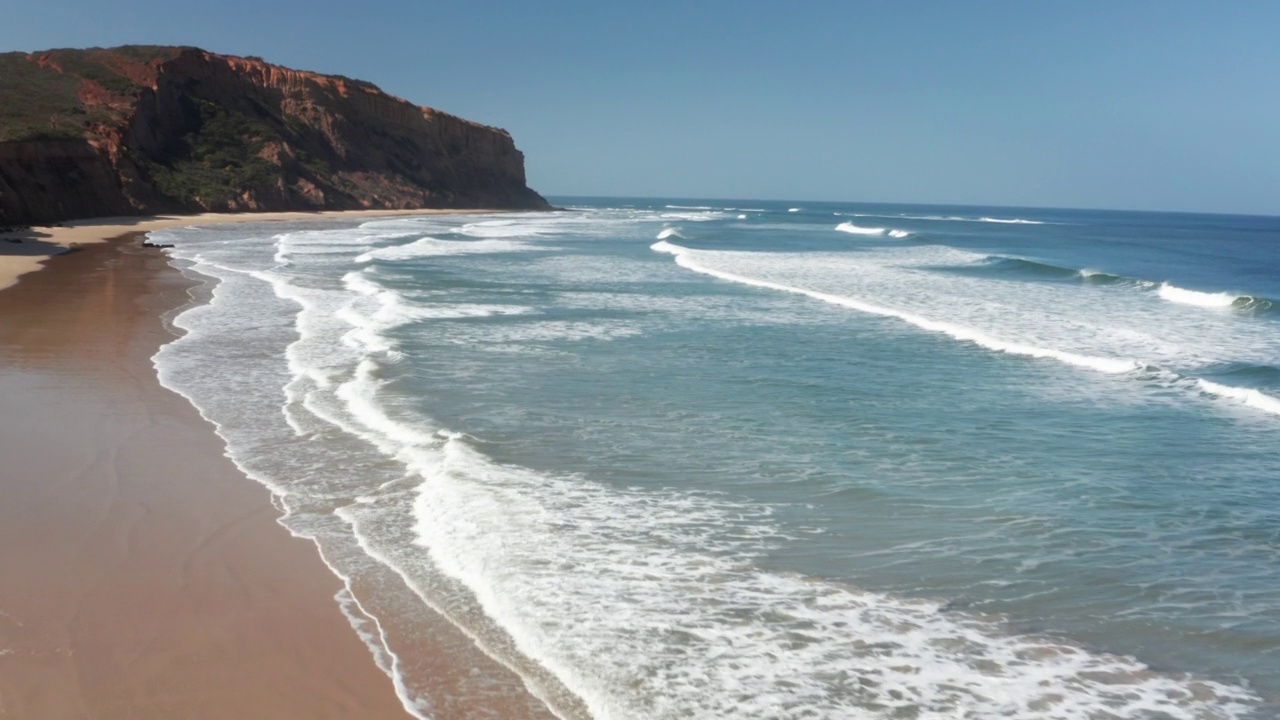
(142, 130)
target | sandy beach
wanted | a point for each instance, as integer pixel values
(143, 575)
(22, 251)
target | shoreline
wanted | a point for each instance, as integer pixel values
(145, 575)
(26, 250)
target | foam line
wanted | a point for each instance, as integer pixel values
(431, 247)
(1199, 299)
(1010, 221)
(684, 258)
(668, 619)
(1249, 396)
(376, 640)
(849, 227)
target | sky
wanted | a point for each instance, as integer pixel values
(1145, 105)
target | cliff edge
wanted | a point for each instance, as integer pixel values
(145, 130)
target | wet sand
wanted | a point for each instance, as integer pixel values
(141, 575)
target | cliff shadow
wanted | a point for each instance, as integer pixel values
(29, 242)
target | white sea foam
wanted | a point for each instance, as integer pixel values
(1248, 396)
(793, 210)
(1010, 221)
(1194, 297)
(370, 632)
(692, 207)
(643, 607)
(849, 227)
(669, 232)
(899, 233)
(503, 229)
(431, 247)
(687, 258)
(375, 309)
(954, 218)
(692, 216)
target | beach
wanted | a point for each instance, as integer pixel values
(144, 576)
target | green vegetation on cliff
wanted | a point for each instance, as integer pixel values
(219, 160)
(45, 98)
(38, 102)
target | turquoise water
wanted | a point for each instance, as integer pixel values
(758, 459)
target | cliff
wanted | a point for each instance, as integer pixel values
(145, 130)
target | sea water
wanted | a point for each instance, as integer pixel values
(753, 459)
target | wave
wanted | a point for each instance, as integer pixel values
(1249, 396)
(691, 207)
(651, 581)
(1010, 221)
(1199, 299)
(391, 309)
(706, 216)
(1218, 300)
(954, 218)
(1003, 264)
(1006, 266)
(669, 232)
(1264, 374)
(684, 257)
(1142, 368)
(431, 247)
(849, 227)
(501, 229)
(793, 210)
(1022, 266)
(1099, 277)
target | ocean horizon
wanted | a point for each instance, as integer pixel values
(778, 459)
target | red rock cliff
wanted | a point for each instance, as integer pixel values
(145, 130)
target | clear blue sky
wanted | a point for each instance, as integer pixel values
(1164, 105)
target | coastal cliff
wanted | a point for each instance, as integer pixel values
(145, 130)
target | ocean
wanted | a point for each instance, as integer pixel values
(753, 459)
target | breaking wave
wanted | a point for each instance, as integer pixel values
(1010, 221)
(1125, 348)
(429, 247)
(1248, 396)
(955, 218)
(1218, 300)
(849, 227)
(685, 258)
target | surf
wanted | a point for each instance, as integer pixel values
(686, 258)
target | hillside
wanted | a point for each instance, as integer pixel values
(143, 130)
